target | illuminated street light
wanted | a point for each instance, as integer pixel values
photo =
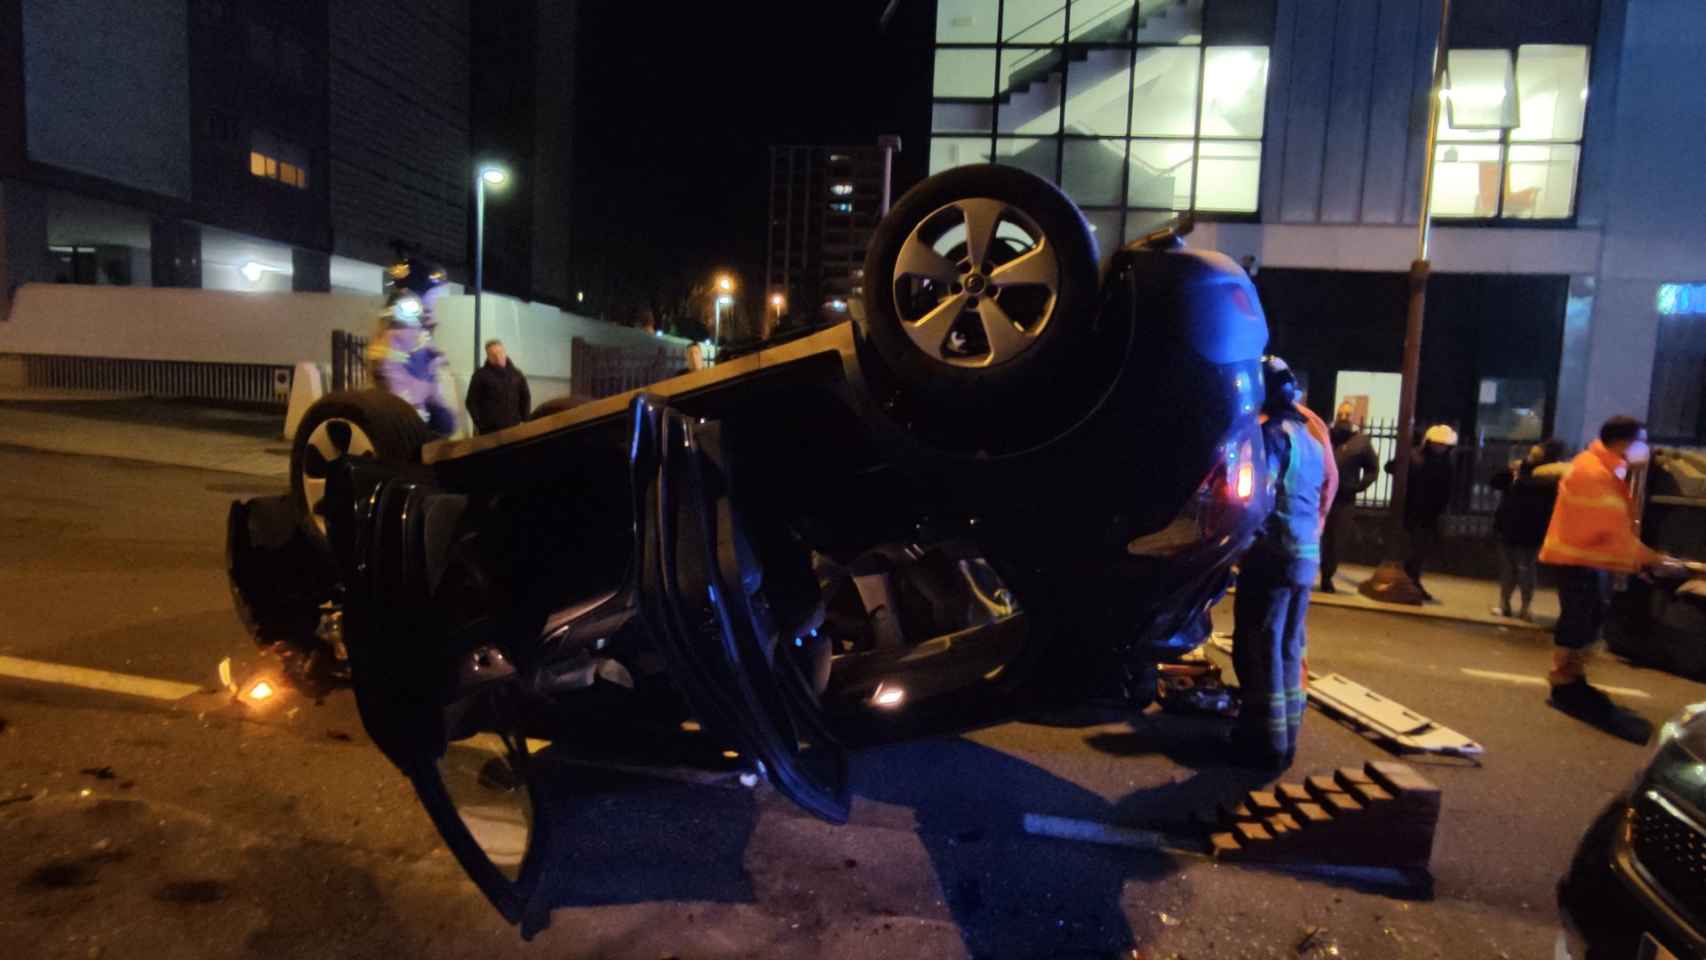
(493, 175)
(777, 301)
(726, 284)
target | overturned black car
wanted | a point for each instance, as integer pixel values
(1018, 477)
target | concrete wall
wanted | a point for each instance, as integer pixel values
(206, 326)
(397, 102)
(1653, 197)
(537, 336)
(216, 326)
(106, 90)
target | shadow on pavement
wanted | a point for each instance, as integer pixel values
(625, 838)
(1011, 894)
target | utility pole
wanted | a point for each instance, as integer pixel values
(1390, 581)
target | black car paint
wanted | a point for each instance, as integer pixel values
(1610, 899)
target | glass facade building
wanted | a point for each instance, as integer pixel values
(1138, 109)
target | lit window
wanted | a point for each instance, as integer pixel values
(1120, 103)
(841, 189)
(1510, 137)
(265, 161)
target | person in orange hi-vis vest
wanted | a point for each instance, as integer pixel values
(1592, 536)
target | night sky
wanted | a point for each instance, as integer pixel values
(677, 105)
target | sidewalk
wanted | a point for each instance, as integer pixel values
(1455, 598)
(184, 434)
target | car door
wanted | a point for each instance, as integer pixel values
(702, 593)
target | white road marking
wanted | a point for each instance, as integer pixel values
(1536, 681)
(88, 679)
(1106, 834)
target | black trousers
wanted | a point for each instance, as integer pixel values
(1424, 540)
(1337, 531)
(1584, 600)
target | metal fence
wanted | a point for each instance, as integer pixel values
(1473, 499)
(239, 382)
(349, 361)
(604, 371)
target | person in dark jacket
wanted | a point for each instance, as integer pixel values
(1358, 466)
(1529, 488)
(1274, 577)
(1427, 498)
(497, 394)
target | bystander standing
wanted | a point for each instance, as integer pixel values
(498, 396)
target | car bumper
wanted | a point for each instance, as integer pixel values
(1608, 903)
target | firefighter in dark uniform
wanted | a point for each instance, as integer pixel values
(401, 355)
(1275, 577)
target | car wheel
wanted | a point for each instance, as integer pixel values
(981, 305)
(558, 405)
(366, 423)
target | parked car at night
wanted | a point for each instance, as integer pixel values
(1637, 885)
(1019, 475)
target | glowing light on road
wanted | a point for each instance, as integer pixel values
(888, 697)
(262, 690)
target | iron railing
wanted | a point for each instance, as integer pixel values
(603, 371)
(174, 379)
(349, 361)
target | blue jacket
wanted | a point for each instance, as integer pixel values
(1288, 548)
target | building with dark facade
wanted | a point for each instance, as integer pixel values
(1567, 241)
(256, 145)
(824, 204)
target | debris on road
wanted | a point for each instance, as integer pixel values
(99, 773)
(1376, 717)
(1316, 944)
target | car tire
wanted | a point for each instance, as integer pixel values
(558, 405)
(981, 304)
(369, 423)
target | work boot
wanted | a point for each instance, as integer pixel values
(1569, 665)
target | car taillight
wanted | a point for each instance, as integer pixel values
(1246, 480)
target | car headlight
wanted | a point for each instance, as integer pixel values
(1683, 726)
(1678, 765)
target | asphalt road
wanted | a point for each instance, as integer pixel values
(131, 827)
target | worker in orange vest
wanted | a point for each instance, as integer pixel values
(1592, 536)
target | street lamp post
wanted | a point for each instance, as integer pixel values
(890, 145)
(1390, 581)
(725, 296)
(496, 176)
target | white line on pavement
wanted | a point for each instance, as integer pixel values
(1541, 682)
(95, 679)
